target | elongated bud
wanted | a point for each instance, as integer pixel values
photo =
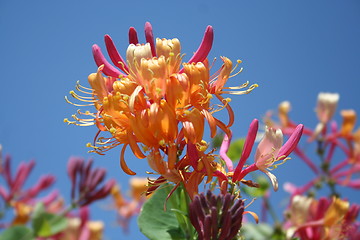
(216, 217)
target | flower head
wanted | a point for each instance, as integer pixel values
(155, 104)
(216, 217)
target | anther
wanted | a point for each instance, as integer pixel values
(112, 130)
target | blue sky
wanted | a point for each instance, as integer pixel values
(292, 49)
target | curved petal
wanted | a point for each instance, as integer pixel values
(272, 178)
(123, 164)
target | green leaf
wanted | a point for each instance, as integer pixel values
(47, 224)
(18, 232)
(259, 231)
(235, 149)
(157, 224)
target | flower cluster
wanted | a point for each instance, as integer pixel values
(158, 105)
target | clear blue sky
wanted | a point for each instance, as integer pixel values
(292, 49)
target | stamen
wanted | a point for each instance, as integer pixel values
(78, 105)
(80, 86)
(225, 101)
(212, 64)
(244, 85)
(251, 202)
(126, 70)
(76, 123)
(80, 89)
(237, 64)
(252, 87)
(278, 164)
(81, 98)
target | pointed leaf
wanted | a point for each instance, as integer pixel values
(154, 222)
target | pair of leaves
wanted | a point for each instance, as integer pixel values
(44, 224)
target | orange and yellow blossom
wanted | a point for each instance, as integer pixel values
(155, 106)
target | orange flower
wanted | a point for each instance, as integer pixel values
(152, 105)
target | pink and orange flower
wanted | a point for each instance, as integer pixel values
(157, 105)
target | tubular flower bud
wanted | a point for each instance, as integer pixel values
(284, 109)
(349, 120)
(85, 182)
(326, 106)
(325, 109)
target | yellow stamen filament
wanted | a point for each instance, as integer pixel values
(78, 105)
(80, 89)
(252, 87)
(238, 72)
(81, 98)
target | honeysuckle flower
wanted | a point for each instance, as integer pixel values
(85, 182)
(216, 217)
(157, 105)
(325, 109)
(269, 151)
